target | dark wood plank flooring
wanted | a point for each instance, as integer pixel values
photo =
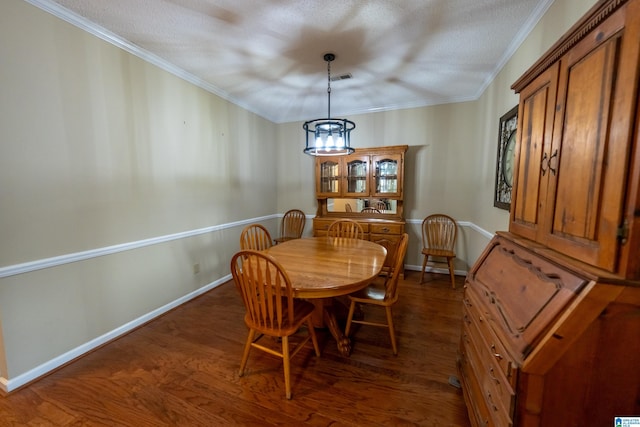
(182, 370)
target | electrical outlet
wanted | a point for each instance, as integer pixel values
(196, 268)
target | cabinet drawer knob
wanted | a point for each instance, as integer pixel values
(466, 338)
(493, 377)
(495, 353)
(493, 405)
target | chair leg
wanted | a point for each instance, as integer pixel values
(424, 266)
(352, 309)
(287, 370)
(392, 331)
(452, 273)
(314, 338)
(247, 348)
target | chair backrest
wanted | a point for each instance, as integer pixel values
(439, 231)
(348, 208)
(256, 237)
(370, 210)
(265, 289)
(345, 228)
(293, 223)
(380, 205)
(391, 285)
(392, 247)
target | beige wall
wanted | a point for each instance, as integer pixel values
(100, 149)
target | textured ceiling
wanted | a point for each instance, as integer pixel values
(267, 55)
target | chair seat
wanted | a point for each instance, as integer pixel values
(372, 294)
(303, 309)
(438, 252)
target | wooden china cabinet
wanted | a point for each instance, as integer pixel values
(551, 321)
(351, 186)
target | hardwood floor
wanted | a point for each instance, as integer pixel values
(182, 370)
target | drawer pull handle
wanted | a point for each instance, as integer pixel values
(495, 353)
(467, 302)
(467, 320)
(493, 377)
(385, 230)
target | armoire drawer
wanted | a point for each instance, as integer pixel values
(496, 391)
(475, 318)
(472, 392)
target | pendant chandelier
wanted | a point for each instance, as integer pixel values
(328, 137)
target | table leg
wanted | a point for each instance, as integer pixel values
(326, 315)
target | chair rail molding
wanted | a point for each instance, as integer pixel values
(8, 385)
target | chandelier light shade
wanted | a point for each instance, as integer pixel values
(329, 136)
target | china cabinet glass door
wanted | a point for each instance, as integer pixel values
(386, 176)
(328, 181)
(357, 173)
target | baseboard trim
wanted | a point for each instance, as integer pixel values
(9, 385)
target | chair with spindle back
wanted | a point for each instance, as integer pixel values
(370, 210)
(271, 309)
(382, 293)
(439, 233)
(292, 225)
(256, 237)
(345, 228)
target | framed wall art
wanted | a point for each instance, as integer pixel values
(506, 159)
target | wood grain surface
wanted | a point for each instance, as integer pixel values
(181, 369)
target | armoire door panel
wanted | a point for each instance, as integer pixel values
(535, 128)
(585, 198)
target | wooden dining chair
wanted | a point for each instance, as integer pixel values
(439, 234)
(389, 262)
(256, 237)
(271, 309)
(370, 210)
(381, 206)
(383, 292)
(345, 228)
(292, 225)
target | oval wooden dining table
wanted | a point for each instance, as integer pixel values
(322, 268)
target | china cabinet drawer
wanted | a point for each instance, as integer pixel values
(321, 225)
(373, 231)
(396, 229)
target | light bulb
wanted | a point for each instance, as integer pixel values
(330, 141)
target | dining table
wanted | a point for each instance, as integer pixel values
(323, 268)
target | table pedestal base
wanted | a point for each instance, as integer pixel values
(326, 315)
